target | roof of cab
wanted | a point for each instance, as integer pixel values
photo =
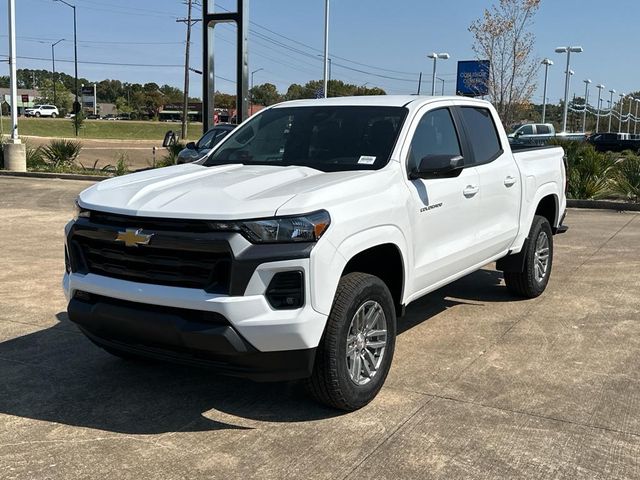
(374, 100)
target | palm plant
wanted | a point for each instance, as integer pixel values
(626, 178)
(62, 153)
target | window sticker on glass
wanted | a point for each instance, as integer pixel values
(366, 160)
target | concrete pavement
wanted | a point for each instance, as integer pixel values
(482, 386)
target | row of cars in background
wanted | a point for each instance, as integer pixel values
(536, 134)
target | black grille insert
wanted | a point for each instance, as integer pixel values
(174, 257)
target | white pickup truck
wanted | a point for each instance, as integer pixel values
(290, 251)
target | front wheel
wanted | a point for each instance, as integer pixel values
(37, 114)
(533, 280)
(355, 353)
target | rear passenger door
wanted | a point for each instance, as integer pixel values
(498, 214)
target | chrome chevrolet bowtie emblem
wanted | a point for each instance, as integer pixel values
(133, 237)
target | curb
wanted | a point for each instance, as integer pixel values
(63, 176)
(603, 205)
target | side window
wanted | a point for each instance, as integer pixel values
(526, 130)
(482, 134)
(543, 129)
(435, 135)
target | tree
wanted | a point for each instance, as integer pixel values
(64, 99)
(503, 37)
(224, 100)
(265, 94)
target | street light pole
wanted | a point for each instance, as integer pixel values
(621, 105)
(53, 61)
(568, 51)
(251, 90)
(631, 100)
(13, 73)
(599, 87)
(76, 104)
(435, 57)
(586, 103)
(325, 77)
(547, 63)
(612, 92)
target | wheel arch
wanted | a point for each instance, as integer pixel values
(362, 251)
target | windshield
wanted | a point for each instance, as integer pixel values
(327, 138)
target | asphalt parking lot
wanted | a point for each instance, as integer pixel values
(482, 386)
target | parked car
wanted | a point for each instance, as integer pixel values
(93, 116)
(615, 142)
(195, 151)
(290, 252)
(42, 111)
(540, 134)
(110, 116)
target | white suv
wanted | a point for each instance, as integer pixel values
(42, 111)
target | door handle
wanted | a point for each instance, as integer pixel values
(470, 190)
(509, 181)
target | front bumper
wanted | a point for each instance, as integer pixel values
(183, 336)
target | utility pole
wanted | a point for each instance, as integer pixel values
(53, 61)
(419, 83)
(185, 98)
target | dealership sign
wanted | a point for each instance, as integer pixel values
(473, 78)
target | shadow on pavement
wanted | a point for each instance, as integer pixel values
(57, 375)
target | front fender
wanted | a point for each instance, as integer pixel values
(327, 269)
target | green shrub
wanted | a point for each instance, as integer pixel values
(626, 178)
(61, 153)
(589, 173)
(35, 158)
(122, 165)
(171, 158)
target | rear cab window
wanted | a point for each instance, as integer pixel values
(482, 134)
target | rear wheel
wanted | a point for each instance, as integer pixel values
(355, 353)
(53, 115)
(533, 280)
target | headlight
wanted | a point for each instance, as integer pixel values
(81, 212)
(303, 228)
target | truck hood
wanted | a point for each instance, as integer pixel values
(223, 192)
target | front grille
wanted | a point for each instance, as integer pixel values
(173, 257)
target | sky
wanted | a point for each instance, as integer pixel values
(374, 42)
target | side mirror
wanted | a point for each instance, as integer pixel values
(191, 145)
(438, 166)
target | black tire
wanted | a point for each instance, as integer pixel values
(37, 114)
(526, 283)
(53, 115)
(330, 382)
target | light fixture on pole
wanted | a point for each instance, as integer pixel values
(325, 77)
(612, 92)
(621, 95)
(599, 87)
(547, 63)
(586, 103)
(635, 125)
(53, 61)
(442, 90)
(251, 90)
(435, 57)
(568, 51)
(76, 104)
